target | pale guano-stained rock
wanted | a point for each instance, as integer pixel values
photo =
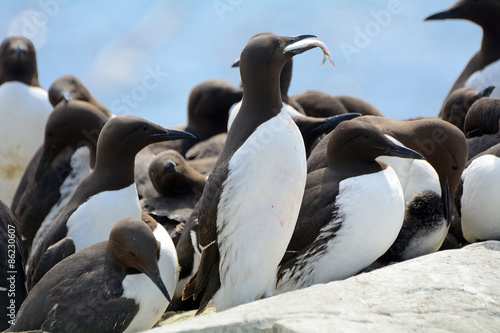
(448, 291)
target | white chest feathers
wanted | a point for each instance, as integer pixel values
(480, 199)
(92, 222)
(369, 217)
(145, 293)
(414, 175)
(258, 209)
(24, 111)
(79, 170)
(488, 76)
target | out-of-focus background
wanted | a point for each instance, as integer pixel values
(144, 57)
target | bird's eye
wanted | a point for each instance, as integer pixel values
(145, 127)
(455, 167)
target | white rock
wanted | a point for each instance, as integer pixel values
(447, 291)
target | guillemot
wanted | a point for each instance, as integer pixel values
(245, 222)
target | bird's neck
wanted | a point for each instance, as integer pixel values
(92, 155)
(490, 43)
(264, 98)
(26, 78)
(489, 53)
(285, 79)
(116, 168)
(354, 166)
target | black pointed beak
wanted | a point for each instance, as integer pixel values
(447, 199)
(159, 283)
(174, 135)
(301, 37)
(486, 92)
(403, 152)
(298, 50)
(453, 13)
(236, 63)
(331, 122)
(292, 40)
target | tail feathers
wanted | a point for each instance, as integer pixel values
(207, 293)
(189, 289)
(202, 307)
(206, 280)
(212, 287)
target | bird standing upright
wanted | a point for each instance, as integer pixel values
(105, 196)
(483, 69)
(66, 157)
(352, 209)
(252, 197)
(24, 109)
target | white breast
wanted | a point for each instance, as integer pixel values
(480, 199)
(92, 222)
(370, 212)
(488, 76)
(146, 294)
(80, 169)
(414, 175)
(233, 112)
(168, 263)
(141, 289)
(258, 209)
(24, 111)
(427, 241)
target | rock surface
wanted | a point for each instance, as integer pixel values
(448, 291)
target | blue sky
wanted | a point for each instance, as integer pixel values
(144, 57)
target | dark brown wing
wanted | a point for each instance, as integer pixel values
(32, 203)
(206, 280)
(318, 159)
(100, 307)
(58, 303)
(317, 210)
(54, 254)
